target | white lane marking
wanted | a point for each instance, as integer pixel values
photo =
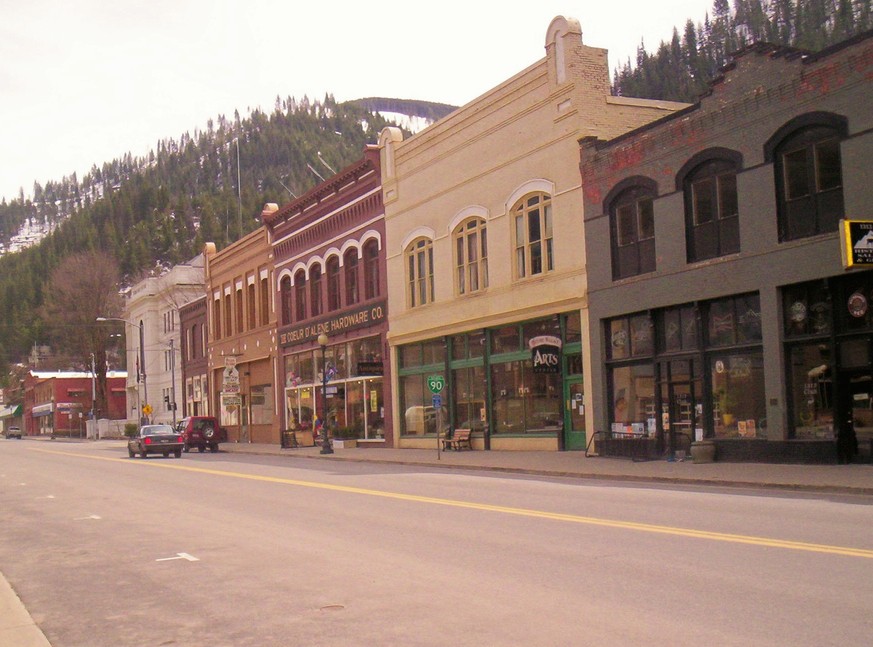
(190, 558)
(90, 516)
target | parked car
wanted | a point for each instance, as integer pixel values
(201, 432)
(13, 432)
(155, 439)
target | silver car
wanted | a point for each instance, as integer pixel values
(155, 439)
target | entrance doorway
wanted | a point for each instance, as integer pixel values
(856, 403)
(574, 414)
(681, 406)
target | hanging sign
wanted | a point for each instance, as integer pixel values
(856, 243)
(546, 354)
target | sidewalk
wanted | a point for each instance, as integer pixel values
(849, 479)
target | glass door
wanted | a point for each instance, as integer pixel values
(574, 414)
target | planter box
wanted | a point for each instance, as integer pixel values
(345, 443)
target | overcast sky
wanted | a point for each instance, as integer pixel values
(85, 81)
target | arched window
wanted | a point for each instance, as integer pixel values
(419, 277)
(532, 217)
(712, 223)
(350, 269)
(471, 256)
(371, 269)
(632, 228)
(315, 288)
(287, 301)
(333, 284)
(300, 295)
(808, 172)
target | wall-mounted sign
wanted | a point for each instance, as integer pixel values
(545, 354)
(857, 305)
(370, 315)
(856, 243)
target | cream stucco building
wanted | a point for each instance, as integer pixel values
(486, 257)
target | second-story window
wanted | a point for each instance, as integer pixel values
(333, 284)
(632, 222)
(239, 310)
(419, 278)
(250, 305)
(216, 317)
(471, 256)
(265, 301)
(371, 269)
(350, 269)
(315, 288)
(287, 300)
(532, 217)
(300, 295)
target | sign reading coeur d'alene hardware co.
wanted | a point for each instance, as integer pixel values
(856, 243)
(545, 353)
(369, 315)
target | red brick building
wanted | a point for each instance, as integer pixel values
(59, 403)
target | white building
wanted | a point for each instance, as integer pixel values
(153, 305)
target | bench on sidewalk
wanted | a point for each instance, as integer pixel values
(458, 440)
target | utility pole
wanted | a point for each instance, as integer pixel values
(94, 397)
(173, 379)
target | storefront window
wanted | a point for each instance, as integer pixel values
(505, 340)
(261, 403)
(573, 328)
(632, 399)
(811, 385)
(738, 406)
(619, 341)
(641, 335)
(679, 329)
(419, 416)
(434, 351)
(469, 398)
(525, 402)
(807, 309)
(736, 320)
(468, 345)
(533, 329)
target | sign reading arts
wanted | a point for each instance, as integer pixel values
(856, 243)
(545, 353)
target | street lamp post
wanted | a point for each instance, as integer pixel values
(145, 388)
(325, 441)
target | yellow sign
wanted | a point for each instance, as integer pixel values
(147, 409)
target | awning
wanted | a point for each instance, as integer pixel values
(43, 409)
(10, 412)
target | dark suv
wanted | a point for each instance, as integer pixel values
(201, 432)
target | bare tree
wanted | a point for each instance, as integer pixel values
(83, 287)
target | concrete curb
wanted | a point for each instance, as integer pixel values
(16, 626)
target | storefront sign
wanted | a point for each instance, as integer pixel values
(371, 368)
(546, 354)
(370, 315)
(856, 243)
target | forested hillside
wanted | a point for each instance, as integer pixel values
(158, 210)
(681, 69)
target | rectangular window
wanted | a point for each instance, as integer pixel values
(626, 223)
(265, 302)
(704, 209)
(827, 165)
(239, 310)
(796, 179)
(250, 306)
(216, 318)
(646, 219)
(727, 196)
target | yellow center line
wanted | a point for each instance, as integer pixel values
(522, 512)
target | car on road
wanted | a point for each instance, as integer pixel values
(201, 432)
(13, 432)
(155, 439)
